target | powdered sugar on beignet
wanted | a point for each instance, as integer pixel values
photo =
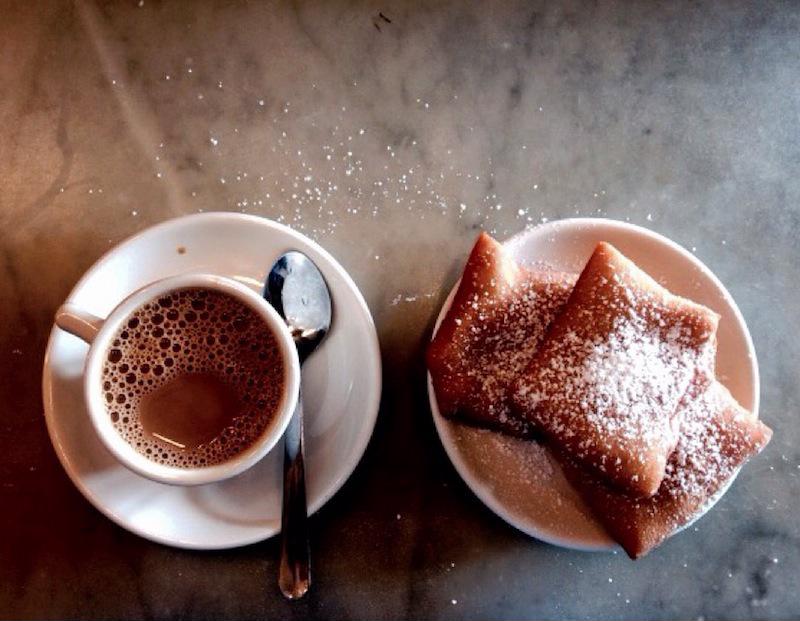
(498, 317)
(605, 383)
(717, 436)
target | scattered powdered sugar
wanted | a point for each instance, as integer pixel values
(408, 298)
(522, 476)
(326, 168)
(534, 458)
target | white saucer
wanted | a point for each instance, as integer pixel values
(517, 479)
(341, 387)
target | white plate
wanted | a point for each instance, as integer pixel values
(517, 479)
(341, 387)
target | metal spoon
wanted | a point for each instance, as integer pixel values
(296, 289)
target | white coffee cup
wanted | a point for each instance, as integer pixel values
(99, 334)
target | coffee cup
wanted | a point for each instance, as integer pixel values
(153, 365)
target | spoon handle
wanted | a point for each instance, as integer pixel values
(294, 575)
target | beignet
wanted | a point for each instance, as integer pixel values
(717, 437)
(605, 383)
(497, 319)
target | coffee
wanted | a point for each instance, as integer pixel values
(193, 378)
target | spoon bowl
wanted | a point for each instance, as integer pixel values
(296, 289)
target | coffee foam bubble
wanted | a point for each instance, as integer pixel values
(185, 332)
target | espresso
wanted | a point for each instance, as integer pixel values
(193, 378)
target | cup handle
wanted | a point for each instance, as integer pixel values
(78, 322)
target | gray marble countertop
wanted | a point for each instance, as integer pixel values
(391, 134)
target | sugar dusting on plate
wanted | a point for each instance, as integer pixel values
(524, 479)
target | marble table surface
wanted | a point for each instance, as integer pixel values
(391, 133)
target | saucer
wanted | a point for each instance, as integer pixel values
(518, 479)
(341, 387)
